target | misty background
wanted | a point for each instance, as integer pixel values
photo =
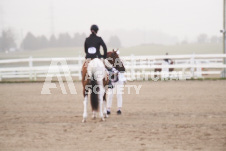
(144, 25)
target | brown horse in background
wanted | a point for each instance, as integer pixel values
(160, 69)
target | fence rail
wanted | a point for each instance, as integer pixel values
(188, 66)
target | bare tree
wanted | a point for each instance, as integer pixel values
(215, 39)
(202, 38)
(7, 40)
(114, 42)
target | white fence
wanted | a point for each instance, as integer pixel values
(137, 67)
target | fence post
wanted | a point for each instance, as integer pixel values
(165, 71)
(133, 63)
(35, 75)
(192, 62)
(198, 70)
(143, 69)
(31, 67)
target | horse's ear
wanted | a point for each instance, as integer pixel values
(113, 50)
(117, 51)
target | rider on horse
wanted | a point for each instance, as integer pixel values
(93, 43)
(92, 49)
(167, 59)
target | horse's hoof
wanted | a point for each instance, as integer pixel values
(105, 115)
(102, 119)
(84, 120)
(94, 117)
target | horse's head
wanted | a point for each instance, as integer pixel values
(113, 58)
(171, 62)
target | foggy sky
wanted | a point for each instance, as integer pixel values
(180, 19)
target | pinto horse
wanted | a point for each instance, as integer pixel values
(94, 77)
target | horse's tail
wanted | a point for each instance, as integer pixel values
(94, 94)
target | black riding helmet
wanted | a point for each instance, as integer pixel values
(94, 28)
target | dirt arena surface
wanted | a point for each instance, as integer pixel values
(171, 115)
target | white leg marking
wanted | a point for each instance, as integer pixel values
(94, 116)
(100, 97)
(85, 109)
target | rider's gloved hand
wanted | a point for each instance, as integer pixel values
(114, 70)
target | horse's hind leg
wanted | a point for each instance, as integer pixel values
(100, 97)
(105, 105)
(105, 81)
(94, 116)
(85, 103)
(101, 110)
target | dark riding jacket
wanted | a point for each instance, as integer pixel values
(92, 47)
